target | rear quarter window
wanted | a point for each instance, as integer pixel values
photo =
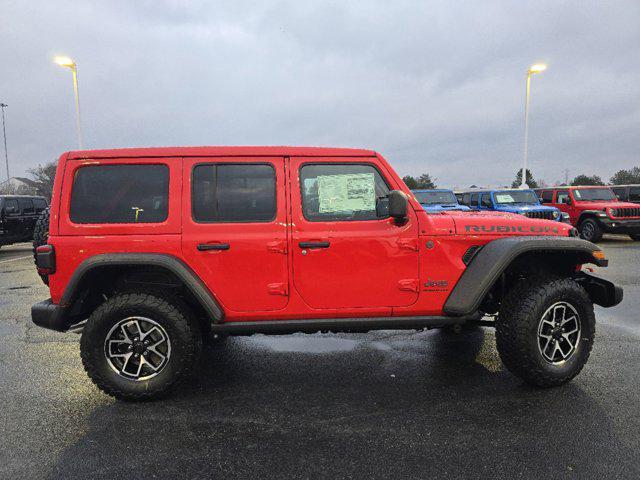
(107, 194)
(40, 204)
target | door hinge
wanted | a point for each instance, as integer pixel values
(278, 289)
(408, 244)
(277, 246)
(409, 285)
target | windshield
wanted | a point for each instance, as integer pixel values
(436, 198)
(593, 194)
(527, 197)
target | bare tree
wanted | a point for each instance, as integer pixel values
(43, 177)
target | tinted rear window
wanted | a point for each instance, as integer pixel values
(234, 193)
(634, 194)
(120, 194)
(26, 205)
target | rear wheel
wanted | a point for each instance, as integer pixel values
(41, 236)
(136, 346)
(590, 230)
(545, 330)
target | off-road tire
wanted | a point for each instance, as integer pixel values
(41, 237)
(517, 330)
(635, 236)
(590, 230)
(182, 330)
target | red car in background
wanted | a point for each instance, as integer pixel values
(594, 210)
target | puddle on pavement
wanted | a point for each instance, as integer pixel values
(303, 344)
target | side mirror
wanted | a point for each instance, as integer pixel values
(398, 204)
(567, 201)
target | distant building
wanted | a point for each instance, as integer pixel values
(19, 186)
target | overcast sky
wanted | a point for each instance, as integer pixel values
(435, 87)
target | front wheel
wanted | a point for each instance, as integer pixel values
(590, 230)
(136, 346)
(545, 330)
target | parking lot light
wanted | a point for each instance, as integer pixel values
(67, 62)
(533, 69)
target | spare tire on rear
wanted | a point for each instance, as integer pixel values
(41, 237)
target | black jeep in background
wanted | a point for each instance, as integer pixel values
(18, 216)
(627, 193)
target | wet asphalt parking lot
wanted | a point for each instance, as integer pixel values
(377, 405)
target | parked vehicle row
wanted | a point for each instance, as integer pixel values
(150, 251)
(593, 210)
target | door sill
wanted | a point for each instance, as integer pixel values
(353, 325)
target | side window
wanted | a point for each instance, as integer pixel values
(634, 194)
(485, 199)
(474, 199)
(562, 196)
(40, 204)
(619, 191)
(465, 199)
(233, 193)
(343, 192)
(547, 196)
(11, 207)
(26, 205)
(120, 194)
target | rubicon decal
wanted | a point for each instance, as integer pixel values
(510, 229)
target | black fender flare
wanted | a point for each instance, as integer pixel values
(589, 214)
(493, 259)
(195, 285)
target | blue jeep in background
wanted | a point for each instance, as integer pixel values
(524, 202)
(438, 200)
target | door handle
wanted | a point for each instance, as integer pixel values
(204, 247)
(314, 244)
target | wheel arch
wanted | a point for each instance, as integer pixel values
(588, 214)
(510, 255)
(98, 273)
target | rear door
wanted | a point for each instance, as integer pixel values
(12, 221)
(346, 251)
(28, 217)
(235, 229)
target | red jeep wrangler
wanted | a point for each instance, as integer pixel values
(594, 210)
(150, 251)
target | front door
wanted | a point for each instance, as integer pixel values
(565, 204)
(346, 251)
(235, 229)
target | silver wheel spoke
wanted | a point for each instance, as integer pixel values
(151, 365)
(570, 332)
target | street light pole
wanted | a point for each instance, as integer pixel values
(538, 68)
(70, 64)
(4, 133)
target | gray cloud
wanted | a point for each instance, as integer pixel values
(433, 86)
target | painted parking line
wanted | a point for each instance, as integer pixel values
(15, 259)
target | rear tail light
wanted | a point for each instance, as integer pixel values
(46, 260)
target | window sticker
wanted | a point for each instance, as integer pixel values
(349, 192)
(504, 198)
